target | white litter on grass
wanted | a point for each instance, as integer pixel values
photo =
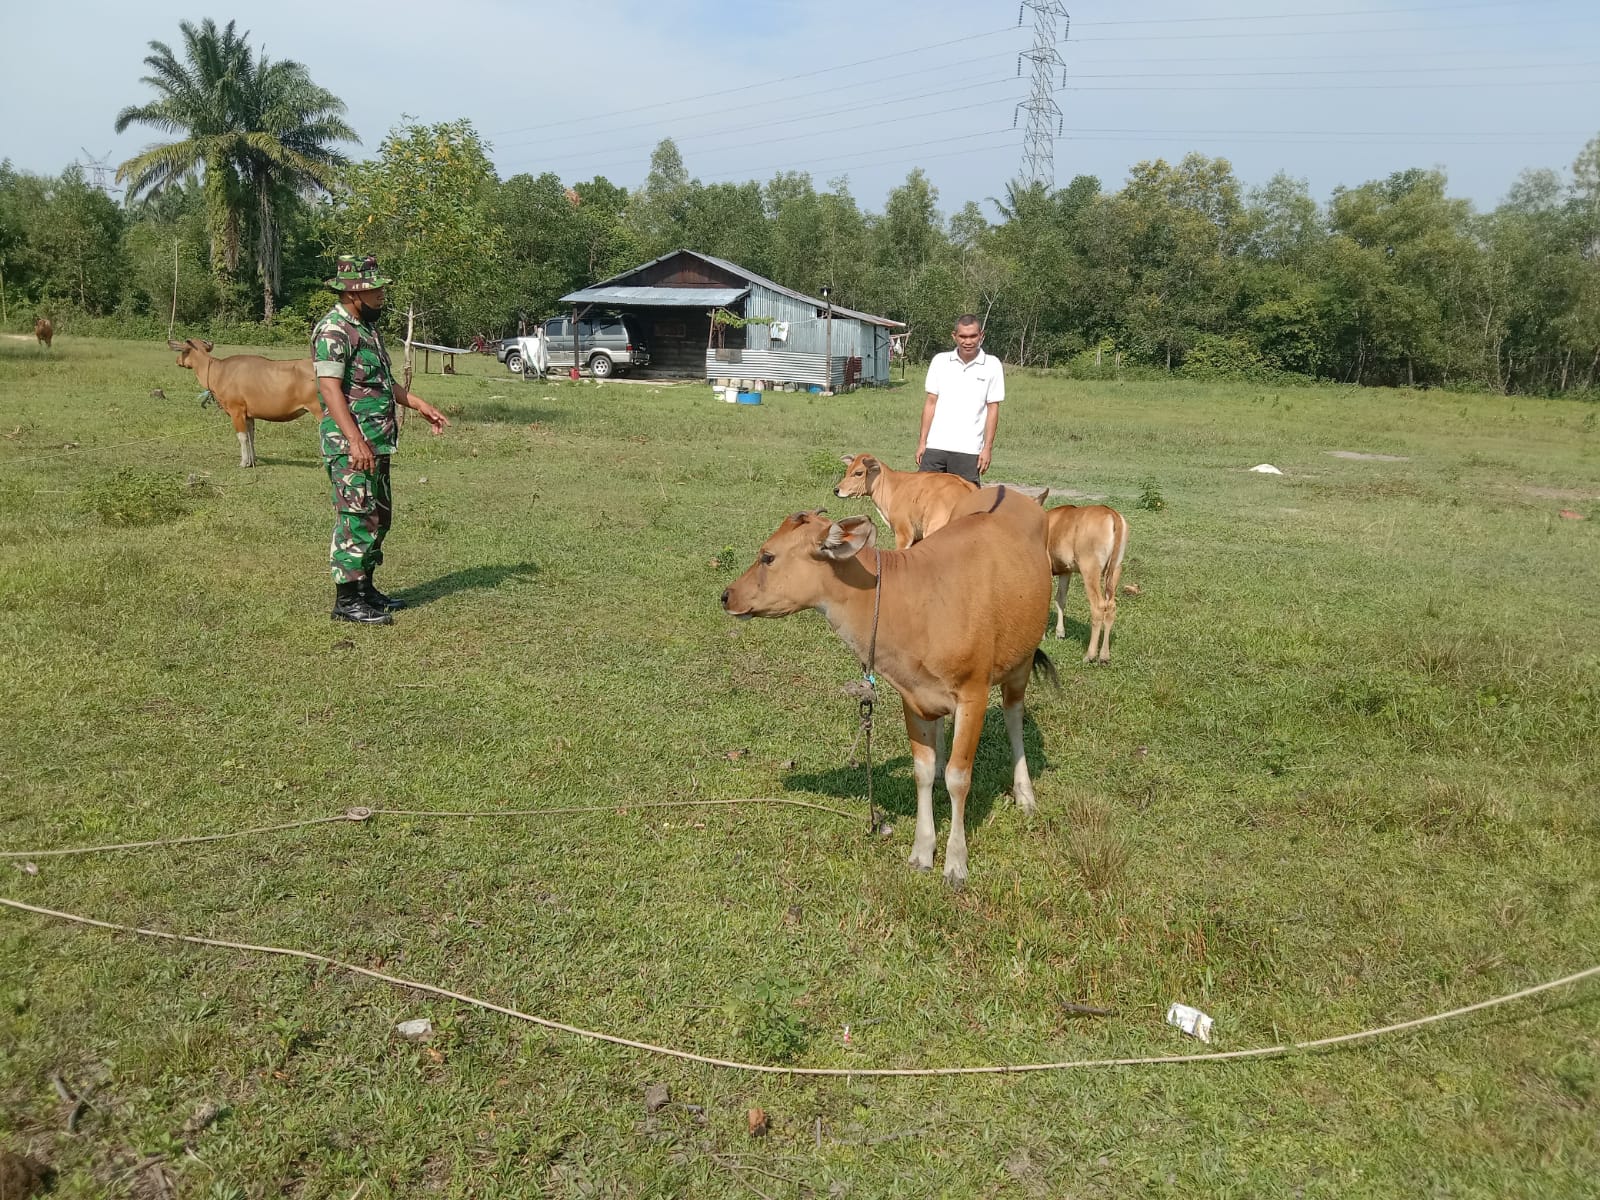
(1191, 1020)
(415, 1031)
(1266, 469)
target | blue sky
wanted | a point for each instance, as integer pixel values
(1335, 91)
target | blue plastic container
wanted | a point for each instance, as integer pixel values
(749, 397)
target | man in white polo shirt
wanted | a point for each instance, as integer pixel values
(965, 387)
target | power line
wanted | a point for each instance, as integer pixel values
(916, 116)
(964, 40)
(1497, 68)
(657, 122)
(811, 117)
(1206, 139)
(1349, 87)
(1007, 146)
(1388, 29)
(835, 158)
(1362, 133)
(1348, 12)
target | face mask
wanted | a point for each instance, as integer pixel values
(372, 312)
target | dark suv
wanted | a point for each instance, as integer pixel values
(607, 345)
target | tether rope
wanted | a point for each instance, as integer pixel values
(362, 813)
(812, 1072)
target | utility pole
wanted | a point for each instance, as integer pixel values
(1044, 114)
(827, 344)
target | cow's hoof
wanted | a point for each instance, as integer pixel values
(920, 862)
(955, 881)
(1028, 805)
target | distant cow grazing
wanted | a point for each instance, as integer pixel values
(956, 614)
(44, 331)
(912, 503)
(248, 387)
(1090, 540)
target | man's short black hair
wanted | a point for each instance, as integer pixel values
(967, 319)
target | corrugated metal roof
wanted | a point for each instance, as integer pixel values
(760, 280)
(657, 297)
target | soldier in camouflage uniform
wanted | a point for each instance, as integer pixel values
(360, 431)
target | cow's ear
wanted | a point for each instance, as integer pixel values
(209, 346)
(1043, 496)
(873, 468)
(848, 538)
(848, 460)
(172, 345)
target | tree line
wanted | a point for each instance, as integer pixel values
(1180, 269)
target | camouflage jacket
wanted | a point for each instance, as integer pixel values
(343, 348)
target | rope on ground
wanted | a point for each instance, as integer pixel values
(165, 437)
(360, 814)
(824, 1072)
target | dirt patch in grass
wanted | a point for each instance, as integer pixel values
(1361, 457)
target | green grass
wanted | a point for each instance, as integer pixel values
(1341, 771)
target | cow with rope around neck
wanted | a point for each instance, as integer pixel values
(249, 387)
(942, 621)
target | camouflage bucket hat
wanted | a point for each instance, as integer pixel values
(357, 275)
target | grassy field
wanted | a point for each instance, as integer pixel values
(1341, 771)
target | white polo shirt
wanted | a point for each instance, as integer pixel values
(965, 391)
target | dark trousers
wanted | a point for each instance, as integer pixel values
(948, 462)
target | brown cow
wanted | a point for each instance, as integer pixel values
(912, 503)
(957, 614)
(44, 331)
(248, 387)
(1090, 540)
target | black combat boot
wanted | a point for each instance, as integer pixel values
(350, 604)
(377, 599)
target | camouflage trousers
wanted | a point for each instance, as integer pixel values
(363, 507)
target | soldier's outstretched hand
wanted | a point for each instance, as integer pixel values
(430, 414)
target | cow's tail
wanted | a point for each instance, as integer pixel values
(1113, 572)
(1044, 669)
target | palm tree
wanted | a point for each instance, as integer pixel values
(286, 153)
(257, 132)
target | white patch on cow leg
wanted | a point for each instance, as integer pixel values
(923, 737)
(247, 457)
(1021, 781)
(250, 437)
(1061, 604)
(955, 850)
(968, 724)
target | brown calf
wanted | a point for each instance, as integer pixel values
(912, 503)
(956, 614)
(248, 387)
(1090, 540)
(44, 331)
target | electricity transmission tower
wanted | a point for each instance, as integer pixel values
(100, 171)
(1044, 114)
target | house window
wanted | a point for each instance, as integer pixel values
(671, 329)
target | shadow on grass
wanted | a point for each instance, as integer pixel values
(894, 787)
(1072, 646)
(505, 412)
(465, 580)
(310, 463)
